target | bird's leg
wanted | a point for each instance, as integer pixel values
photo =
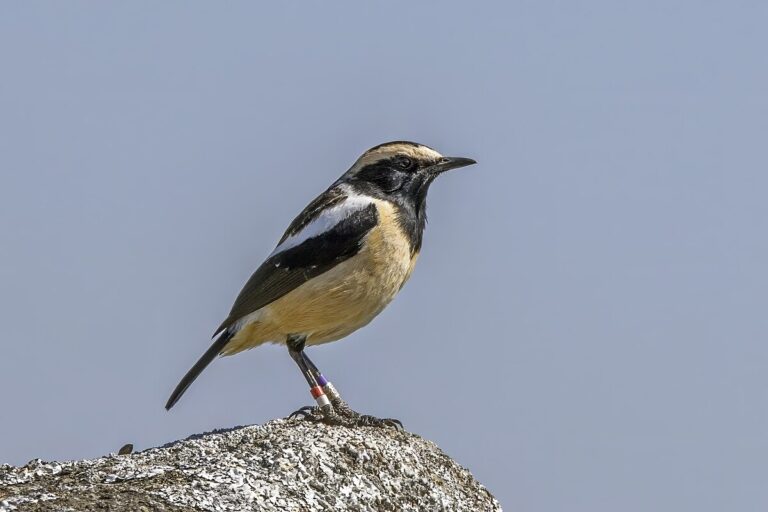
(340, 407)
(324, 411)
(295, 349)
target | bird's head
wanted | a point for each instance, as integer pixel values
(400, 171)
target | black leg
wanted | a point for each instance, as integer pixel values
(324, 410)
(339, 405)
(331, 391)
(296, 350)
(330, 407)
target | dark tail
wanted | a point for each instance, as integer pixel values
(200, 365)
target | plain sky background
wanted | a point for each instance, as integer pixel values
(586, 328)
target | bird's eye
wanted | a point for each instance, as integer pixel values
(405, 163)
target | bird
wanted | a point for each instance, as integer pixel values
(337, 266)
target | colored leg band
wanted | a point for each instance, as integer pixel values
(330, 390)
(327, 386)
(319, 396)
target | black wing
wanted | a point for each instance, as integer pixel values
(291, 268)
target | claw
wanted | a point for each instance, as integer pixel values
(395, 423)
(340, 414)
(372, 421)
(342, 409)
(307, 410)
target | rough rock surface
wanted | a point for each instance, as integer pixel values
(282, 465)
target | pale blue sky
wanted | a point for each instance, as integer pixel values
(586, 328)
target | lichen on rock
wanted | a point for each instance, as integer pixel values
(285, 465)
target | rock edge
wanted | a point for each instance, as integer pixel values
(285, 465)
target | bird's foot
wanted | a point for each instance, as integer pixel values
(325, 415)
(366, 420)
(343, 409)
(306, 412)
(363, 420)
(342, 415)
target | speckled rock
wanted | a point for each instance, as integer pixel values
(286, 465)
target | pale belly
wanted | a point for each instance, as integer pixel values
(337, 302)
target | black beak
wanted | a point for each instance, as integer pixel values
(450, 162)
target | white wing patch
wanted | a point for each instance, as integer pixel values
(325, 221)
